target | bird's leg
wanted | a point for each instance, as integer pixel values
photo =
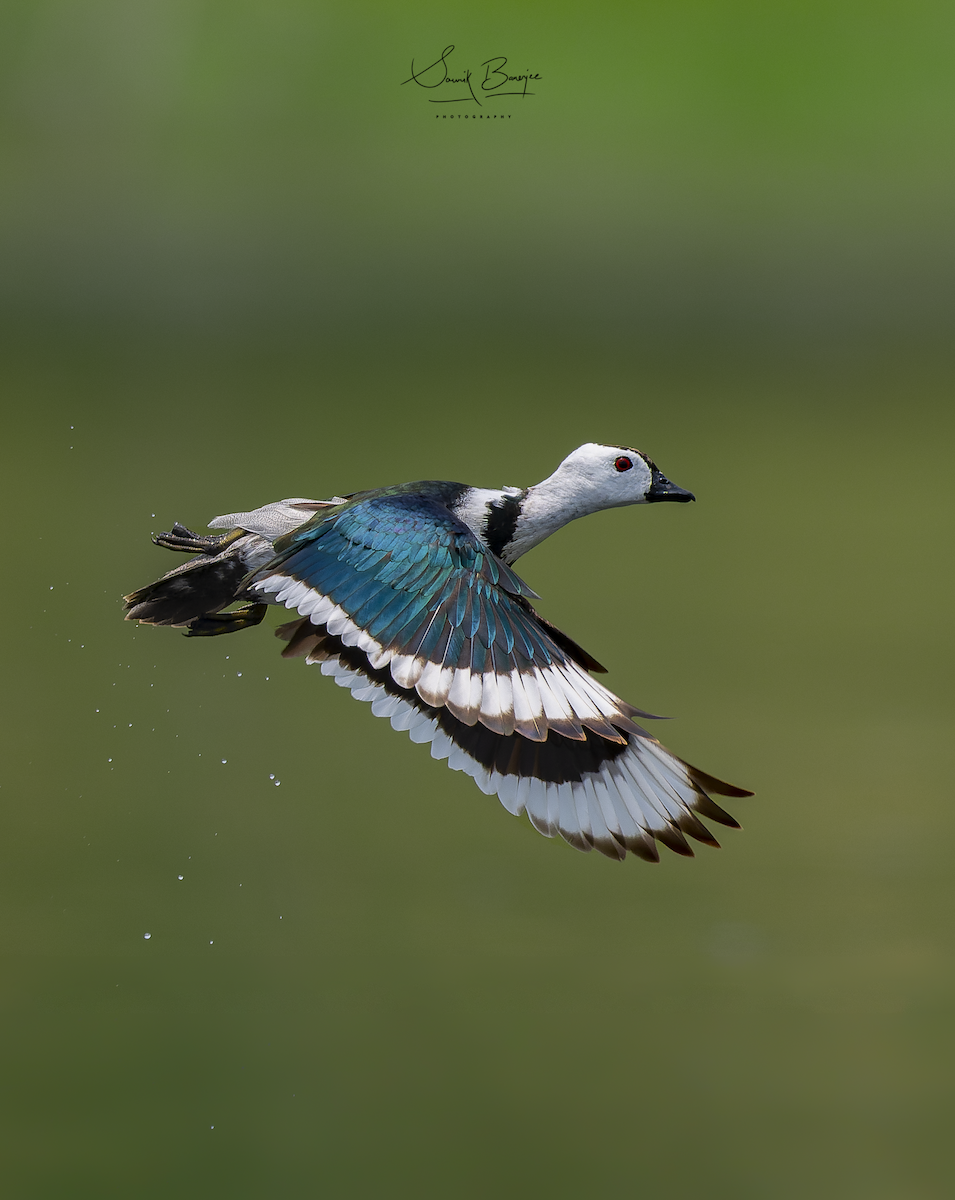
(183, 539)
(214, 624)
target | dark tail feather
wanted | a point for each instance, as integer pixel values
(193, 590)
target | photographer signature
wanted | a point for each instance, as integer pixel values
(488, 88)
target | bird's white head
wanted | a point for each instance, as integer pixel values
(595, 477)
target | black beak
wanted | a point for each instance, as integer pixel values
(662, 489)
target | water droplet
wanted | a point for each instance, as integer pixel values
(210, 943)
(224, 761)
(180, 877)
(278, 783)
(270, 776)
(146, 936)
(239, 674)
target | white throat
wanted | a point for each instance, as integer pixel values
(547, 507)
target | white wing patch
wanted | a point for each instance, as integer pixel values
(631, 800)
(560, 695)
(642, 796)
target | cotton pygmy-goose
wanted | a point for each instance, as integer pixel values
(405, 595)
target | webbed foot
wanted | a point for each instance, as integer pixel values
(214, 624)
(184, 540)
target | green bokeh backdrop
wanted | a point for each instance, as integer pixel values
(238, 262)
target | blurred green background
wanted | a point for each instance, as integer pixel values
(239, 262)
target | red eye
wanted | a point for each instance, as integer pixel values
(623, 464)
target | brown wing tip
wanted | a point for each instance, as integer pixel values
(709, 783)
(640, 846)
(709, 808)
(287, 631)
(304, 640)
(611, 849)
(693, 827)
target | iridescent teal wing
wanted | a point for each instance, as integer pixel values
(399, 577)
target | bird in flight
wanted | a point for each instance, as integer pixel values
(406, 596)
